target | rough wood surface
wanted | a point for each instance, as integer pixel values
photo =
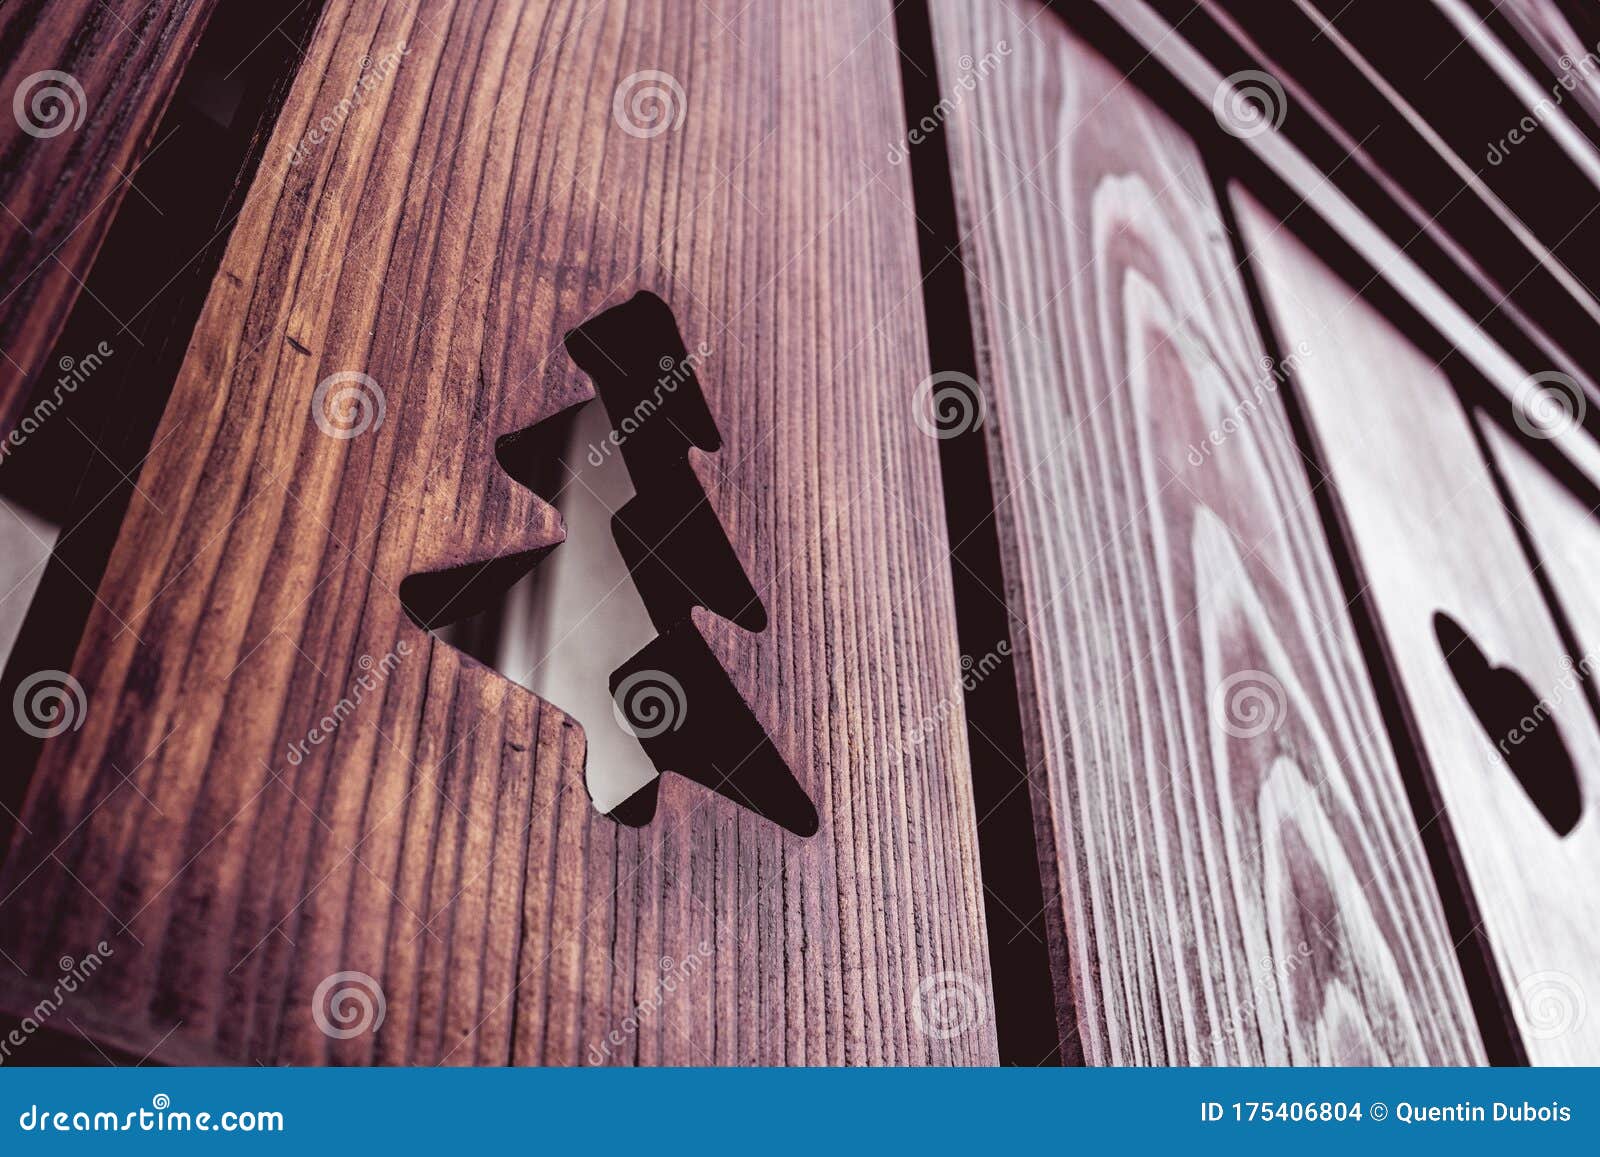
(477, 201)
(1239, 880)
(71, 151)
(1432, 538)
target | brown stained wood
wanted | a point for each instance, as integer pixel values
(1432, 538)
(1239, 880)
(61, 182)
(475, 206)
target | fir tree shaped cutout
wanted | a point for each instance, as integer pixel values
(602, 626)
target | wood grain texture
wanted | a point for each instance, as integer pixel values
(1485, 326)
(1238, 875)
(1432, 537)
(61, 183)
(478, 202)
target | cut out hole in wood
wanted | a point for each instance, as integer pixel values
(600, 625)
(1519, 723)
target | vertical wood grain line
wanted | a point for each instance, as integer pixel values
(1032, 1015)
(1487, 995)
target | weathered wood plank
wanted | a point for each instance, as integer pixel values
(88, 81)
(1466, 629)
(1239, 878)
(489, 190)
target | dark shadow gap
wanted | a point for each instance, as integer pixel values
(1035, 1021)
(1397, 182)
(143, 297)
(1502, 1045)
(1493, 406)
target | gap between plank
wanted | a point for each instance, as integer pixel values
(156, 268)
(1025, 1000)
(1474, 953)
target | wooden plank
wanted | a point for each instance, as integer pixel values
(1545, 104)
(1397, 164)
(1485, 326)
(1239, 877)
(1565, 537)
(496, 186)
(1559, 521)
(88, 81)
(1467, 631)
(1572, 69)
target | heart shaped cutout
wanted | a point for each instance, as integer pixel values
(1519, 723)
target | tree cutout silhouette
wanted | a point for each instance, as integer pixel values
(671, 696)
